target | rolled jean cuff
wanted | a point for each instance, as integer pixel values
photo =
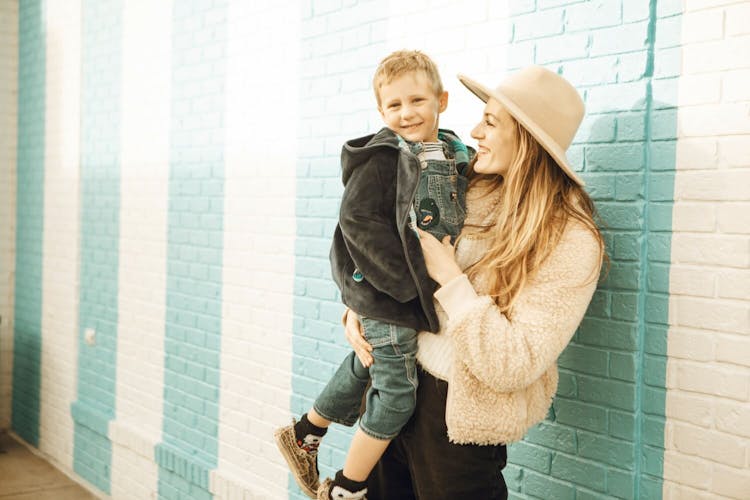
(377, 435)
(346, 422)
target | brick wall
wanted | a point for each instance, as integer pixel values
(210, 136)
(708, 401)
(8, 155)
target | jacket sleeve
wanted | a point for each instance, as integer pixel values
(509, 354)
(370, 233)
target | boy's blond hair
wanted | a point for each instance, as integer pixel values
(405, 61)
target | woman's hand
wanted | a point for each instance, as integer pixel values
(440, 258)
(356, 338)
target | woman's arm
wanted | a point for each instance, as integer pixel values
(510, 354)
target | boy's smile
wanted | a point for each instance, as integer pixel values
(410, 107)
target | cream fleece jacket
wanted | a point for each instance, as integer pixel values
(502, 372)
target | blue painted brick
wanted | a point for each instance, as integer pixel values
(607, 392)
(608, 333)
(579, 471)
(633, 37)
(541, 486)
(591, 15)
(552, 436)
(629, 187)
(625, 306)
(584, 359)
(622, 366)
(615, 157)
(566, 385)
(601, 449)
(531, 456)
(597, 128)
(621, 424)
(579, 414)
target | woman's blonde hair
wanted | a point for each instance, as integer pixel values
(536, 202)
(402, 62)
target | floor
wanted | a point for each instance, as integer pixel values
(25, 476)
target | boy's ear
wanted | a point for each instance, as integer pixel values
(443, 101)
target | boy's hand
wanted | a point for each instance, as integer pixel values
(440, 258)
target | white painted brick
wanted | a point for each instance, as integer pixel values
(695, 409)
(696, 153)
(711, 314)
(733, 417)
(686, 470)
(713, 380)
(712, 445)
(733, 349)
(731, 482)
(692, 280)
(736, 84)
(713, 120)
(712, 186)
(695, 345)
(691, 5)
(702, 26)
(734, 284)
(699, 89)
(734, 152)
(721, 55)
(737, 17)
(694, 217)
(674, 491)
(734, 218)
(729, 251)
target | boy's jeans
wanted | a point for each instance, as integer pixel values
(391, 398)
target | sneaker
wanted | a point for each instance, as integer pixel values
(304, 466)
(327, 491)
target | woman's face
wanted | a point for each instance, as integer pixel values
(497, 140)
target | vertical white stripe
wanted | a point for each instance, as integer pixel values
(145, 108)
(61, 228)
(707, 431)
(8, 158)
(259, 233)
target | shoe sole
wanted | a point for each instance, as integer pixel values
(292, 463)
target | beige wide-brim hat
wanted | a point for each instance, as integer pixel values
(545, 103)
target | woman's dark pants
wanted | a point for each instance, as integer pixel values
(421, 464)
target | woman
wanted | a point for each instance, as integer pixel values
(511, 295)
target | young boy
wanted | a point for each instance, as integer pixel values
(410, 174)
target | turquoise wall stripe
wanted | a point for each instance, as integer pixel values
(27, 343)
(195, 248)
(100, 234)
(604, 437)
(655, 245)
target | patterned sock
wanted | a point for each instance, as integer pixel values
(344, 488)
(308, 435)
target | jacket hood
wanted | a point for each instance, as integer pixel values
(357, 150)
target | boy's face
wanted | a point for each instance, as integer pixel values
(410, 107)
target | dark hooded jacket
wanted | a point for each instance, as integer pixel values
(373, 236)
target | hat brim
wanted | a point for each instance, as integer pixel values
(549, 144)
